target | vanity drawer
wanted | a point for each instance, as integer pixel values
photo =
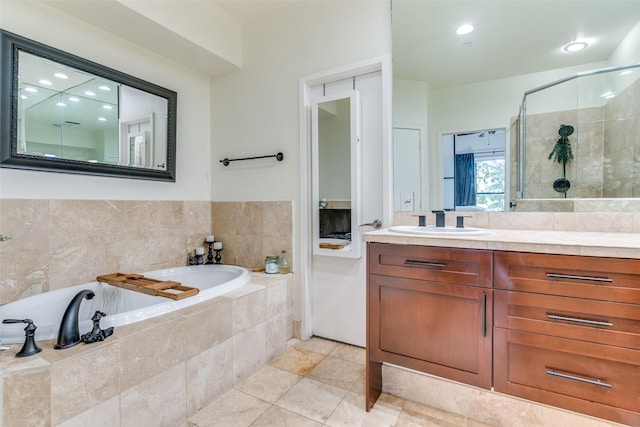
(596, 321)
(448, 265)
(590, 378)
(609, 279)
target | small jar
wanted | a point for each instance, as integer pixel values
(271, 265)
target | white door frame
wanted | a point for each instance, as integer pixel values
(383, 64)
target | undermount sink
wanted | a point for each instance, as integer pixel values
(431, 230)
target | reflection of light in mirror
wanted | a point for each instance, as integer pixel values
(73, 99)
(92, 161)
(45, 82)
(107, 107)
(31, 89)
(61, 76)
(625, 72)
(103, 87)
(61, 104)
(608, 95)
(89, 93)
(24, 97)
(102, 119)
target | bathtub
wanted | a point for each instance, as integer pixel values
(121, 305)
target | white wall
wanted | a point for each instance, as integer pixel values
(255, 109)
(628, 51)
(48, 25)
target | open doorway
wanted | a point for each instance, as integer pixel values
(474, 170)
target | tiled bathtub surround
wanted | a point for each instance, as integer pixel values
(59, 243)
(252, 230)
(156, 372)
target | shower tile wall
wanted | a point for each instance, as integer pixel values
(606, 148)
(59, 243)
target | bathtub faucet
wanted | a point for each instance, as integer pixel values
(69, 333)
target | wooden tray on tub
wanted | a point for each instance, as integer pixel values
(139, 283)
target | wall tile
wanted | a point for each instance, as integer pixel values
(106, 414)
(249, 352)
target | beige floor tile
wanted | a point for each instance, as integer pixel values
(319, 345)
(269, 384)
(297, 360)
(359, 386)
(417, 414)
(337, 372)
(234, 408)
(280, 417)
(351, 412)
(312, 399)
(351, 353)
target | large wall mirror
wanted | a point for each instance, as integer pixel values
(336, 177)
(448, 83)
(63, 113)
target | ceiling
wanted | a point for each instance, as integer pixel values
(511, 37)
(249, 10)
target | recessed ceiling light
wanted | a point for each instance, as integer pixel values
(31, 89)
(102, 119)
(104, 87)
(61, 104)
(73, 99)
(61, 76)
(45, 82)
(89, 93)
(464, 29)
(24, 97)
(107, 107)
(575, 46)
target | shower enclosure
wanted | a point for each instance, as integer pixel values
(579, 137)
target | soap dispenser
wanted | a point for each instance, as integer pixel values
(283, 263)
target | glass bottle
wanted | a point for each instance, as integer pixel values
(283, 264)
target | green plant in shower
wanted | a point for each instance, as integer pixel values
(562, 150)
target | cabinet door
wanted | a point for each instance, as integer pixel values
(438, 328)
(594, 379)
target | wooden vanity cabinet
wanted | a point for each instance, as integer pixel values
(429, 309)
(567, 332)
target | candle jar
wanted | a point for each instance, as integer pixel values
(271, 265)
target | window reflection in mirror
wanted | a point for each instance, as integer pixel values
(336, 180)
(474, 170)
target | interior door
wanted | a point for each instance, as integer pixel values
(338, 284)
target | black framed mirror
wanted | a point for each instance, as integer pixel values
(63, 113)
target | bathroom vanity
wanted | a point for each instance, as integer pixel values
(549, 325)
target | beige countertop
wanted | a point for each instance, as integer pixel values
(617, 245)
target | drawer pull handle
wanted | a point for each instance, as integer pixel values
(424, 264)
(569, 276)
(575, 378)
(574, 319)
(484, 314)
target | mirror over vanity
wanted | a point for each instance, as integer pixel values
(63, 113)
(449, 87)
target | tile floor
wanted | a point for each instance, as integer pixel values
(317, 383)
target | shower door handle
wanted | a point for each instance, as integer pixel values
(377, 224)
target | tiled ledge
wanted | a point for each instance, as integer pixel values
(166, 367)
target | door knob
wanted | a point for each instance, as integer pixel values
(377, 224)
